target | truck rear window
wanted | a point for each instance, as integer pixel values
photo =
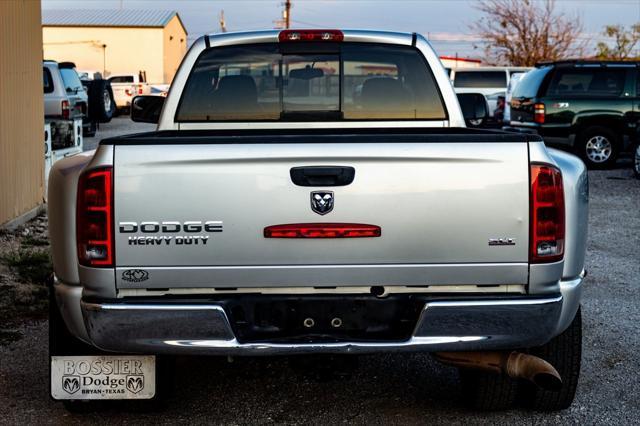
(354, 81)
(122, 79)
(480, 79)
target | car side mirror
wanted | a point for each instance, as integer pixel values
(146, 108)
(474, 107)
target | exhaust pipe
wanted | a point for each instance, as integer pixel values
(514, 364)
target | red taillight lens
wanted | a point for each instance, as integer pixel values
(322, 230)
(546, 214)
(310, 35)
(538, 113)
(64, 105)
(139, 89)
(94, 218)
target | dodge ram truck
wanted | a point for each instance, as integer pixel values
(317, 192)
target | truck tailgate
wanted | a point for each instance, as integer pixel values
(437, 204)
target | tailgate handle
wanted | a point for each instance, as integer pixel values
(322, 175)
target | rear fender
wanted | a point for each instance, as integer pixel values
(63, 187)
(613, 120)
(543, 278)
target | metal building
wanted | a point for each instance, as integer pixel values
(120, 41)
(21, 110)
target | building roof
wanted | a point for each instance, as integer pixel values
(108, 18)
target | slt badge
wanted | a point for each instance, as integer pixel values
(322, 201)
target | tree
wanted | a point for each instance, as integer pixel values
(624, 43)
(524, 32)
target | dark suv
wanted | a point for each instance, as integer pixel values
(592, 106)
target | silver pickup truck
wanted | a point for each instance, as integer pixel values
(317, 191)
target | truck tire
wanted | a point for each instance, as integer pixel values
(102, 105)
(636, 160)
(564, 353)
(598, 147)
(487, 391)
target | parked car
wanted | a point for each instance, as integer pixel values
(126, 86)
(64, 95)
(270, 219)
(102, 106)
(589, 106)
(159, 89)
(513, 81)
(492, 82)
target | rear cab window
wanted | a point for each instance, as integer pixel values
(122, 79)
(71, 80)
(340, 82)
(480, 79)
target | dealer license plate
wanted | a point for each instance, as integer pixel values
(103, 377)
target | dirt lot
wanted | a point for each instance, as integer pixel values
(381, 388)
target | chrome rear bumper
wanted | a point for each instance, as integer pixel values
(156, 328)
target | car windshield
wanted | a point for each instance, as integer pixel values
(480, 79)
(350, 81)
(71, 80)
(529, 83)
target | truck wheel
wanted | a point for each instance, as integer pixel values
(636, 161)
(564, 353)
(101, 103)
(598, 147)
(488, 391)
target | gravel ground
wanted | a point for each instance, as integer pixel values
(384, 388)
(121, 125)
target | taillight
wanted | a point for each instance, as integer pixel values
(310, 35)
(322, 230)
(139, 89)
(538, 113)
(64, 105)
(94, 218)
(546, 214)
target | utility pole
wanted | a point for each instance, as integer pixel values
(221, 21)
(287, 14)
(285, 22)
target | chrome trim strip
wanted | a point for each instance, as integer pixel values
(333, 275)
(465, 303)
(396, 289)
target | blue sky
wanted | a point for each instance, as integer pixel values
(446, 22)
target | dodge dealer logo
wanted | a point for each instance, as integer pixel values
(135, 383)
(71, 384)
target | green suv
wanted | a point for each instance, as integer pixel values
(591, 106)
